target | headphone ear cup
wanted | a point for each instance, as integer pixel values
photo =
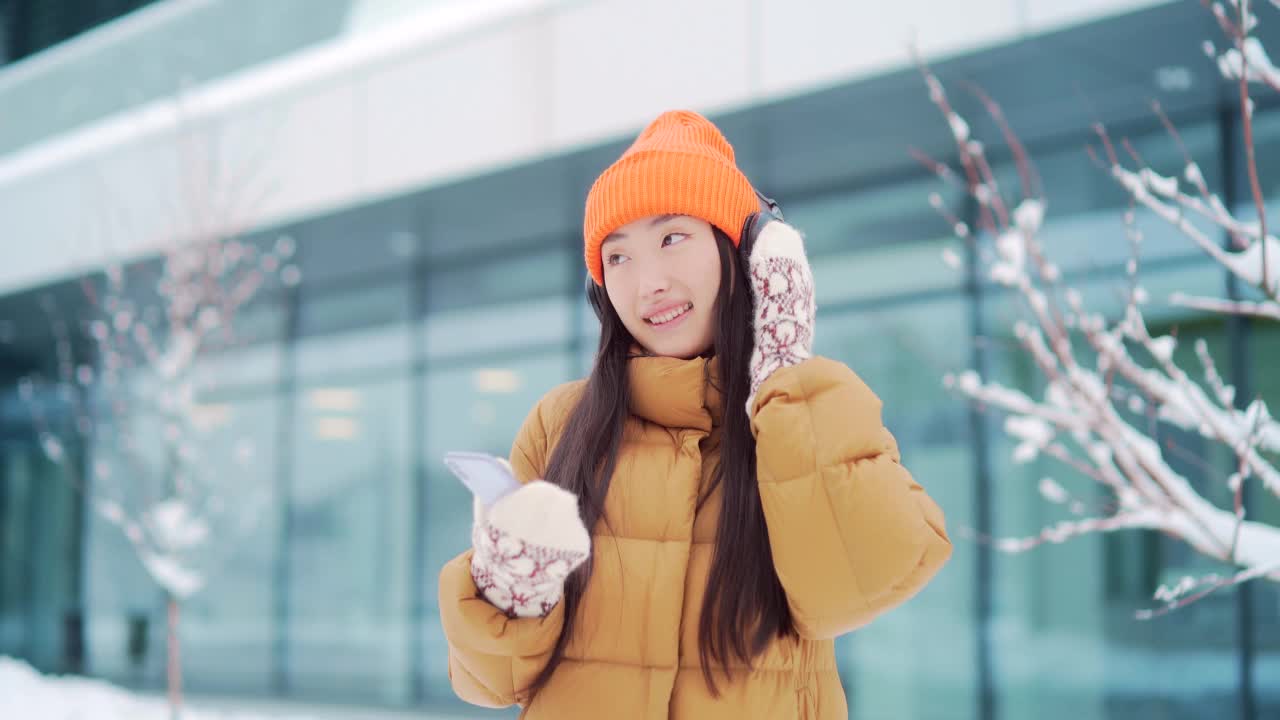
(595, 299)
(769, 206)
(748, 236)
(769, 210)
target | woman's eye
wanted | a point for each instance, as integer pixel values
(615, 259)
(674, 238)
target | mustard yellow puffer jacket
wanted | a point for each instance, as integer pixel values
(852, 535)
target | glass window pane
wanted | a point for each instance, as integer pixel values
(228, 629)
(1264, 348)
(1072, 605)
(222, 461)
(529, 205)
(882, 271)
(1263, 351)
(902, 352)
(504, 279)
(354, 329)
(477, 406)
(40, 542)
(378, 238)
(467, 331)
(885, 241)
(225, 466)
(1266, 129)
(517, 301)
(1084, 225)
(1266, 137)
(253, 356)
(250, 365)
(125, 623)
(350, 526)
(17, 483)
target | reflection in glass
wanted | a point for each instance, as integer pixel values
(1263, 350)
(39, 554)
(353, 329)
(350, 533)
(467, 331)
(227, 629)
(478, 406)
(883, 241)
(224, 472)
(1065, 640)
(1084, 226)
(516, 300)
(902, 352)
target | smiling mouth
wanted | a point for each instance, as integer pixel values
(669, 316)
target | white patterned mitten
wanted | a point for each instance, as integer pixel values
(526, 544)
(783, 302)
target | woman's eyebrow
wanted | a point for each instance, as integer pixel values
(656, 221)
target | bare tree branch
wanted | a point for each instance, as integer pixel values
(1094, 390)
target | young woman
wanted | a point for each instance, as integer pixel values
(745, 503)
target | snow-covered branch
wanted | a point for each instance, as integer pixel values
(1246, 57)
(1269, 311)
(1161, 195)
(136, 403)
(1247, 62)
(1108, 383)
(160, 471)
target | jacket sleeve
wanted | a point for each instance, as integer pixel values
(852, 534)
(494, 658)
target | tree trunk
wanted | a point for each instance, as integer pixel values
(174, 673)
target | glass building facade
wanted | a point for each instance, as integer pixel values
(434, 320)
(29, 26)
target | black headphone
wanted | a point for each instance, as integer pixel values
(769, 211)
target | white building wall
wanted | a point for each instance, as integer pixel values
(456, 89)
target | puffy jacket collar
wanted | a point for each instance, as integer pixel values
(674, 392)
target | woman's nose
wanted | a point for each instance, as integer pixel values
(654, 280)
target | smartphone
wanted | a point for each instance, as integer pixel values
(486, 476)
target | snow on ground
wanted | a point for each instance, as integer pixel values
(25, 694)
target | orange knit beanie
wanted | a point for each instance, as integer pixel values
(680, 164)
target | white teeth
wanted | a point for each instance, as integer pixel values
(669, 315)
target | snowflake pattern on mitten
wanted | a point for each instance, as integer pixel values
(522, 579)
(784, 306)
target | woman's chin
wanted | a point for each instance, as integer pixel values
(684, 349)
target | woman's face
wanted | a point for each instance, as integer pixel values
(662, 274)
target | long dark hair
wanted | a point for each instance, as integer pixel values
(744, 607)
